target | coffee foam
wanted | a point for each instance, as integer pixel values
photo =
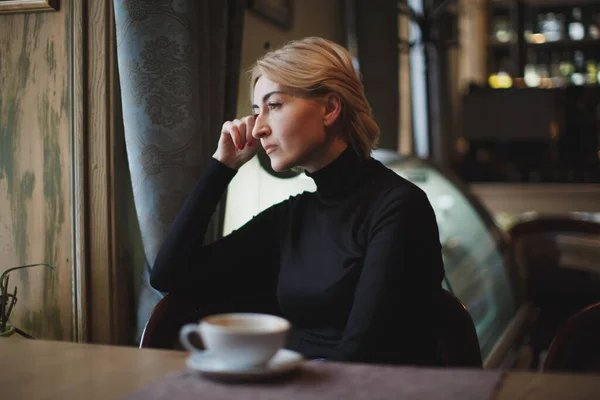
(250, 323)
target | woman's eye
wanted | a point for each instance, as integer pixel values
(273, 106)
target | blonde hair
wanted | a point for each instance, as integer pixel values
(319, 66)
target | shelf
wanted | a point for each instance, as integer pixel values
(561, 3)
(492, 42)
(566, 44)
(524, 15)
(500, 49)
(543, 3)
(587, 87)
(560, 44)
(496, 45)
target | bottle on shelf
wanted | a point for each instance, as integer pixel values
(531, 74)
(538, 36)
(591, 77)
(556, 78)
(552, 27)
(501, 79)
(501, 30)
(543, 71)
(566, 67)
(578, 77)
(528, 32)
(594, 26)
(576, 29)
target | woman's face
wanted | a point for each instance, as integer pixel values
(290, 126)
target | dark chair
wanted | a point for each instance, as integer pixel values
(457, 335)
(576, 347)
(456, 332)
(175, 310)
(551, 258)
(536, 256)
(167, 318)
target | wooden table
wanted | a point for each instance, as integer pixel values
(37, 369)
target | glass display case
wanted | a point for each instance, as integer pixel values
(472, 248)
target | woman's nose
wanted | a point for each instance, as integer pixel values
(261, 128)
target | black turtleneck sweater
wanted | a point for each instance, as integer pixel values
(356, 267)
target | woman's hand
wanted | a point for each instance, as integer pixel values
(236, 144)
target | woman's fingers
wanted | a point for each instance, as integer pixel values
(240, 131)
(232, 130)
(241, 128)
(237, 134)
(249, 123)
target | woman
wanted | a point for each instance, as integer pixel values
(356, 267)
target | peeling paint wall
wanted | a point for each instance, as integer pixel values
(35, 168)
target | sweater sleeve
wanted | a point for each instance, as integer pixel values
(401, 278)
(245, 260)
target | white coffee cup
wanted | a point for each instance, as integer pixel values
(238, 340)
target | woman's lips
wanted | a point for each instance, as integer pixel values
(270, 148)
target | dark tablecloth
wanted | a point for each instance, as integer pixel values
(330, 380)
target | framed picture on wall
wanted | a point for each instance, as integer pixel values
(19, 6)
(279, 12)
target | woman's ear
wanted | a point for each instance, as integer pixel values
(333, 109)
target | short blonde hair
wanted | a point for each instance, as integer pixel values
(319, 66)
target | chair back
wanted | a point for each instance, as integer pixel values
(456, 332)
(554, 254)
(556, 264)
(457, 335)
(576, 346)
(177, 309)
(167, 318)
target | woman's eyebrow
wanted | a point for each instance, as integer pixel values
(266, 96)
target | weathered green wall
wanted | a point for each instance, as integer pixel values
(35, 168)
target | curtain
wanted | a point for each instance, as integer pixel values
(179, 64)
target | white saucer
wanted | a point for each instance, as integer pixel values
(283, 361)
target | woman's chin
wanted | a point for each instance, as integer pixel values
(280, 165)
(279, 168)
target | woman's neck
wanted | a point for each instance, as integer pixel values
(330, 153)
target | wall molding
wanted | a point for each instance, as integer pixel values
(78, 180)
(98, 282)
